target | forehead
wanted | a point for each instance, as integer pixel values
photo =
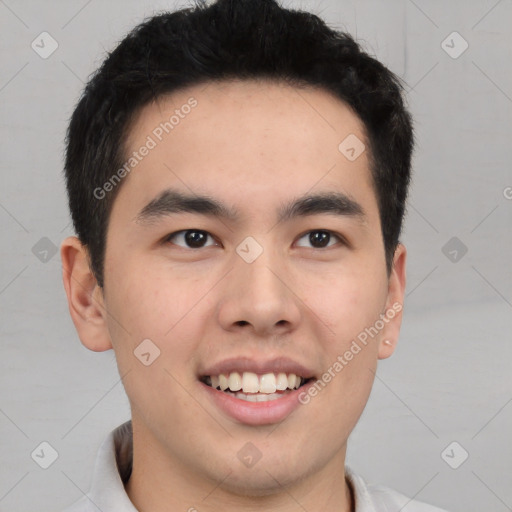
(243, 109)
(247, 140)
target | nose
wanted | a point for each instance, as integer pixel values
(260, 297)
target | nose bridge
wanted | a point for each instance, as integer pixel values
(261, 277)
(258, 292)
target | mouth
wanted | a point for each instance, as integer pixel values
(253, 391)
(252, 387)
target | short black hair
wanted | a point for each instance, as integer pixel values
(231, 39)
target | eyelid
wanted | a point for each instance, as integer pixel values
(167, 238)
(340, 238)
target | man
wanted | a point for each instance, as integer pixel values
(237, 175)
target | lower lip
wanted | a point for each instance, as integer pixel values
(256, 413)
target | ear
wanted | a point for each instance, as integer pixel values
(394, 304)
(85, 296)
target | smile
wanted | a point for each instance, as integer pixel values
(252, 387)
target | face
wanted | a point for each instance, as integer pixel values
(237, 280)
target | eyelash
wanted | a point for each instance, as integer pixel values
(327, 231)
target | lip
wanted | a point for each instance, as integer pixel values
(260, 367)
(256, 413)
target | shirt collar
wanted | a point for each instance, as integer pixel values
(112, 469)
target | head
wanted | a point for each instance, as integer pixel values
(175, 50)
(259, 122)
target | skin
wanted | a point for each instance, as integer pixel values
(253, 146)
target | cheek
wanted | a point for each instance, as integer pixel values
(348, 304)
(148, 300)
(146, 303)
(351, 308)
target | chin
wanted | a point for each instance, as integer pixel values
(252, 484)
(263, 479)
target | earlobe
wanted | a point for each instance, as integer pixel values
(394, 304)
(85, 297)
(386, 348)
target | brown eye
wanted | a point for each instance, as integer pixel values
(319, 239)
(190, 238)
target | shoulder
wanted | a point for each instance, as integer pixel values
(395, 501)
(111, 468)
(378, 498)
(84, 504)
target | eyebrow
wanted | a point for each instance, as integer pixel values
(172, 201)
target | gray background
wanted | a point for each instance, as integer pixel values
(450, 377)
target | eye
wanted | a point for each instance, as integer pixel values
(190, 238)
(319, 239)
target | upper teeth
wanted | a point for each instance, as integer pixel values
(250, 382)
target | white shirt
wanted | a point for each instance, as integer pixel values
(113, 468)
